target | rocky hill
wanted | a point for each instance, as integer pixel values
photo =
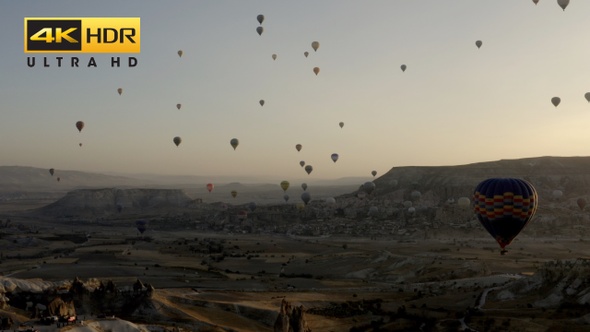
(570, 175)
(112, 201)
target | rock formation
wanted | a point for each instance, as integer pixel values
(439, 183)
(61, 308)
(113, 201)
(291, 319)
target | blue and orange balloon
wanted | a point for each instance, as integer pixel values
(504, 206)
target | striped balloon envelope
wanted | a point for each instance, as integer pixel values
(504, 206)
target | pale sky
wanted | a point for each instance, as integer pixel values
(455, 104)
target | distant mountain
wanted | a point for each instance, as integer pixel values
(185, 181)
(438, 186)
(30, 179)
(346, 181)
(22, 178)
(571, 175)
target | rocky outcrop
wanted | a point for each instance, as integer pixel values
(291, 319)
(437, 184)
(113, 201)
(69, 298)
(556, 283)
(59, 307)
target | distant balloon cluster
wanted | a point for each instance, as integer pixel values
(495, 222)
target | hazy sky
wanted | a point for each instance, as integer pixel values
(455, 103)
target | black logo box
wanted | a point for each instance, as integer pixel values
(34, 26)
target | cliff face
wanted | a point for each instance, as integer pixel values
(291, 319)
(113, 201)
(571, 175)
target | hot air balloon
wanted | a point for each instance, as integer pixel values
(252, 206)
(80, 126)
(261, 102)
(411, 210)
(180, 53)
(587, 96)
(234, 142)
(315, 45)
(306, 53)
(141, 225)
(308, 169)
(58, 179)
(210, 187)
(298, 147)
(334, 157)
(242, 215)
(305, 197)
(286, 198)
(478, 43)
(555, 101)
(557, 194)
(302, 163)
(415, 195)
(331, 201)
(260, 18)
(368, 187)
(563, 3)
(581, 203)
(463, 201)
(408, 204)
(178, 106)
(373, 211)
(316, 70)
(234, 193)
(536, 1)
(373, 173)
(80, 144)
(341, 124)
(177, 140)
(403, 67)
(285, 185)
(274, 56)
(304, 186)
(260, 30)
(504, 206)
(120, 91)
